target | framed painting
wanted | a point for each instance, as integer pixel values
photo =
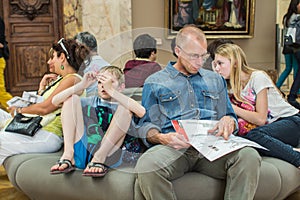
(217, 18)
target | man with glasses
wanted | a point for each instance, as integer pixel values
(184, 90)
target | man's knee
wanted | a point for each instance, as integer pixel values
(145, 163)
(246, 157)
(249, 156)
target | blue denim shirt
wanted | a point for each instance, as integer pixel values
(170, 95)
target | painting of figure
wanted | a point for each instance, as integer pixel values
(229, 18)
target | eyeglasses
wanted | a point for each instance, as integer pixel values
(61, 43)
(195, 56)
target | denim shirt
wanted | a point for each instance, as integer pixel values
(170, 95)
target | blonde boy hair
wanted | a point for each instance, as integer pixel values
(116, 71)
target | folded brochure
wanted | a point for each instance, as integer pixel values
(210, 146)
(26, 99)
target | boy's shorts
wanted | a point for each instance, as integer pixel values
(82, 155)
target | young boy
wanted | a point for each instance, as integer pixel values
(111, 113)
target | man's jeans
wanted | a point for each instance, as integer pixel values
(158, 166)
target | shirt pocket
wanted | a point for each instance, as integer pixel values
(170, 104)
(210, 99)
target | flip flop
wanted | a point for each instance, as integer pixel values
(70, 167)
(96, 174)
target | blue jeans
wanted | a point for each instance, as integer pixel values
(160, 165)
(296, 84)
(279, 137)
(290, 63)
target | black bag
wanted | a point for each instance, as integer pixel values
(292, 35)
(24, 125)
(287, 49)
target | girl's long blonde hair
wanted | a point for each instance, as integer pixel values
(239, 63)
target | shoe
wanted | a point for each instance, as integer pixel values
(294, 103)
(70, 167)
(96, 174)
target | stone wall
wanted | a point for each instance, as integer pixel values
(110, 22)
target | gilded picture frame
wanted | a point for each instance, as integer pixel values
(217, 18)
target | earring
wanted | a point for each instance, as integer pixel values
(62, 67)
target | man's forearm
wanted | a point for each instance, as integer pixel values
(153, 136)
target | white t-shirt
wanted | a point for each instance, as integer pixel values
(277, 105)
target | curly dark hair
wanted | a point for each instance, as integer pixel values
(74, 52)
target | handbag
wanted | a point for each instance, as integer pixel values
(292, 35)
(24, 125)
(287, 49)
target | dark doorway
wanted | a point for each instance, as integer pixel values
(31, 28)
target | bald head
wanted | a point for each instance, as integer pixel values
(190, 33)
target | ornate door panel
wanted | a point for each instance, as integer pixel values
(31, 28)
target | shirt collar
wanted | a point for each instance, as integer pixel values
(174, 72)
(145, 59)
(107, 103)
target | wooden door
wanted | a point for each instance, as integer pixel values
(31, 26)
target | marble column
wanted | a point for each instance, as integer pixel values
(109, 20)
(72, 17)
(111, 23)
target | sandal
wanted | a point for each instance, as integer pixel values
(70, 167)
(96, 174)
